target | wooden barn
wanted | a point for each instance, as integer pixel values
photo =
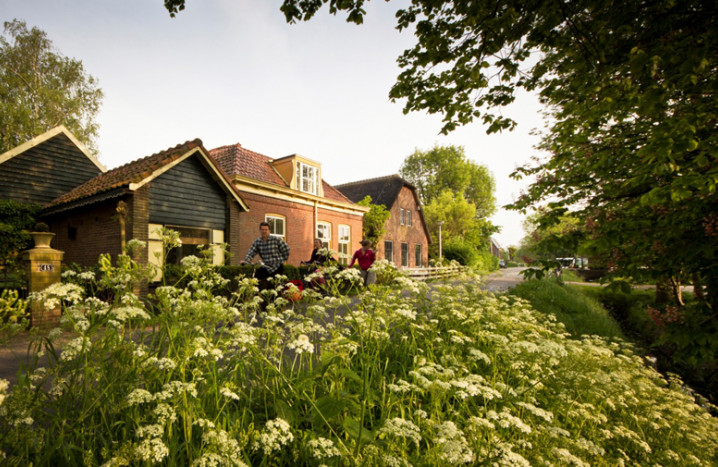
(46, 167)
(181, 188)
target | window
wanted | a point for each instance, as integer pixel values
(418, 257)
(401, 216)
(191, 241)
(405, 255)
(307, 178)
(408, 218)
(276, 225)
(343, 243)
(389, 251)
(324, 233)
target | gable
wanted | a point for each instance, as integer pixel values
(188, 195)
(46, 170)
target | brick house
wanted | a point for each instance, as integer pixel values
(181, 188)
(47, 166)
(407, 239)
(291, 195)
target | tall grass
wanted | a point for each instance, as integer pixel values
(580, 314)
(390, 377)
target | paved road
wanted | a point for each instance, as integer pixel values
(503, 279)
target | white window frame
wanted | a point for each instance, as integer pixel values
(276, 217)
(408, 218)
(344, 238)
(326, 240)
(312, 179)
(418, 258)
(401, 216)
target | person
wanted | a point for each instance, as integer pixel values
(317, 259)
(365, 257)
(273, 252)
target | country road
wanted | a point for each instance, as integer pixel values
(503, 279)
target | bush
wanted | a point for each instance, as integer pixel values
(461, 251)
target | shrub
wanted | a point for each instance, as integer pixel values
(461, 251)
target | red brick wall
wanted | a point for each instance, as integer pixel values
(299, 225)
(97, 232)
(397, 233)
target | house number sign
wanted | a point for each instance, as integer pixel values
(46, 267)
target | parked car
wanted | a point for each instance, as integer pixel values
(502, 263)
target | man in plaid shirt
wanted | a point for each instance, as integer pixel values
(272, 250)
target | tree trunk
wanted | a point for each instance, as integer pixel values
(663, 291)
(698, 287)
(677, 291)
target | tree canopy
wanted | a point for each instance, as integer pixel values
(631, 90)
(41, 89)
(447, 168)
(374, 222)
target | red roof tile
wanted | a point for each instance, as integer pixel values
(236, 160)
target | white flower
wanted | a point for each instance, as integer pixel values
(323, 448)
(139, 396)
(276, 434)
(400, 428)
(228, 393)
(301, 344)
(153, 450)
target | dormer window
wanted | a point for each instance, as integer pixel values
(308, 178)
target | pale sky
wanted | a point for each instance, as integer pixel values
(233, 71)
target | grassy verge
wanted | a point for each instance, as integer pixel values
(581, 314)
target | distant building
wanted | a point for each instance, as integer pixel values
(407, 239)
(495, 247)
(292, 196)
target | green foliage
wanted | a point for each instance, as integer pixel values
(558, 235)
(460, 251)
(16, 219)
(13, 315)
(41, 89)
(445, 168)
(374, 222)
(455, 211)
(580, 314)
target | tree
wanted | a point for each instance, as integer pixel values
(631, 88)
(455, 211)
(374, 222)
(41, 89)
(558, 239)
(446, 167)
(16, 219)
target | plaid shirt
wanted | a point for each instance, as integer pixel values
(274, 252)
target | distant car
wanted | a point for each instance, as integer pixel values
(502, 263)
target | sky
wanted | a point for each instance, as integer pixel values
(233, 71)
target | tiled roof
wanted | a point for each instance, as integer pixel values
(132, 172)
(383, 190)
(236, 160)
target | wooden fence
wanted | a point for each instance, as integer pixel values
(422, 274)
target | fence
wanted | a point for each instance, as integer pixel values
(422, 274)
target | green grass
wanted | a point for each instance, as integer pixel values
(582, 315)
(571, 276)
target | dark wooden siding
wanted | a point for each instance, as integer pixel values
(46, 171)
(187, 195)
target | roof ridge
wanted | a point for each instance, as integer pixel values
(135, 161)
(370, 180)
